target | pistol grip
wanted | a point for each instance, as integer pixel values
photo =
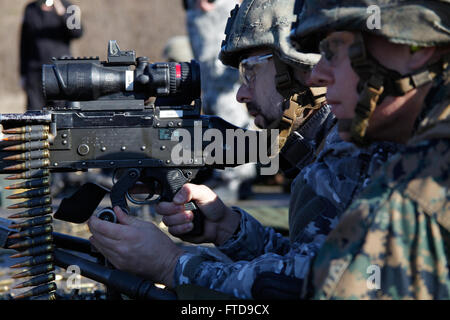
(198, 221)
(174, 181)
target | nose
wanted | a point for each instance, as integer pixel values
(321, 75)
(244, 94)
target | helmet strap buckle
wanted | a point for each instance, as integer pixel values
(283, 78)
(299, 100)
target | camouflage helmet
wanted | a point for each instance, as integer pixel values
(422, 23)
(263, 24)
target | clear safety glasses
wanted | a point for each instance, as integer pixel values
(335, 47)
(247, 68)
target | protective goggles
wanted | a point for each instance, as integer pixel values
(333, 47)
(247, 66)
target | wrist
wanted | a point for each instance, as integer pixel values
(228, 226)
(168, 271)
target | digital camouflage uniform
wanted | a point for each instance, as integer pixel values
(320, 193)
(340, 173)
(393, 242)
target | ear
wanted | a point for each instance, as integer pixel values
(420, 58)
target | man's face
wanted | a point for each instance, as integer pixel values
(258, 90)
(334, 71)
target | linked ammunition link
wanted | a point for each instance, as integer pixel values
(34, 236)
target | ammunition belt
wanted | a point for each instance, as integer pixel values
(29, 146)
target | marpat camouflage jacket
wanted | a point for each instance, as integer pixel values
(394, 241)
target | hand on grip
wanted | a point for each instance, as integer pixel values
(218, 221)
(198, 220)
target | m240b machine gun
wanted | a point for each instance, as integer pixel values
(98, 116)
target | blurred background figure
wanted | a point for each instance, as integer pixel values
(48, 28)
(178, 49)
(206, 21)
(46, 33)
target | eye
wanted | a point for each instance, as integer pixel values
(329, 55)
(325, 50)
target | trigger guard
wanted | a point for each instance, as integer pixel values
(141, 203)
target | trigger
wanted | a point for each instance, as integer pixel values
(120, 190)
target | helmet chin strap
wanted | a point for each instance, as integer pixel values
(377, 82)
(299, 104)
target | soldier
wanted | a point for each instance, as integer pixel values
(275, 80)
(45, 34)
(393, 242)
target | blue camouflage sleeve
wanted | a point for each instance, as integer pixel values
(253, 240)
(237, 278)
(251, 258)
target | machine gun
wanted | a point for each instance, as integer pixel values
(99, 116)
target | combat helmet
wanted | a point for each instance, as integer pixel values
(418, 23)
(263, 23)
(266, 24)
